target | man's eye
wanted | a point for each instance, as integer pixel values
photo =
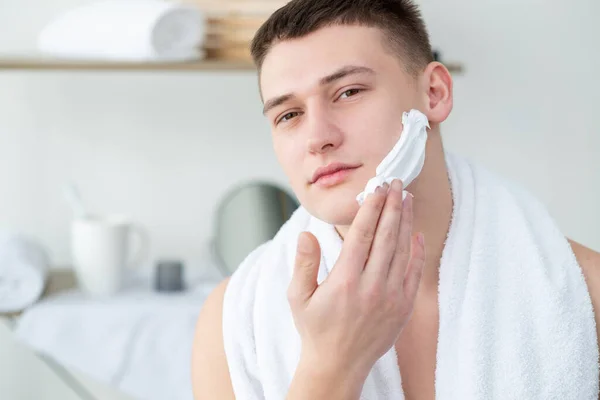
(288, 116)
(349, 93)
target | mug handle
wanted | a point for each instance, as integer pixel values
(143, 244)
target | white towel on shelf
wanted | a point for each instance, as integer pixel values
(516, 319)
(126, 30)
(23, 271)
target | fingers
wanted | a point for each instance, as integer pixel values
(386, 240)
(415, 268)
(403, 244)
(306, 269)
(357, 244)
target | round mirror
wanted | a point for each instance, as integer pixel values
(248, 216)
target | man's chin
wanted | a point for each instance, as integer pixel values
(338, 213)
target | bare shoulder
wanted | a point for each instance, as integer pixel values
(210, 373)
(589, 260)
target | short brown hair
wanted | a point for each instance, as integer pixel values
(400, 21)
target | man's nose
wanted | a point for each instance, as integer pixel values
(324, 134)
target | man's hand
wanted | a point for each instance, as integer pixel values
(356, 315)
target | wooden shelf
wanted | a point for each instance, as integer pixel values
(50, 64)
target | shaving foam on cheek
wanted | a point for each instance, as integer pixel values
(406, 159)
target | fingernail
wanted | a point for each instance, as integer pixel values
(397, 185)
(380, 189)
(406, 200)
(304, 244)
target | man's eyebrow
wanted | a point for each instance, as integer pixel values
(345, 71)
(337, 75)
(275, 101)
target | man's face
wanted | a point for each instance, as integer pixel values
(334, 100)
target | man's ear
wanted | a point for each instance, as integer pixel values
(437, 89)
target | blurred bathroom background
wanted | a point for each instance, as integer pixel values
(165, 146)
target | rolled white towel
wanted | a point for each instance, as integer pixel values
(23, 272)
(126, 30)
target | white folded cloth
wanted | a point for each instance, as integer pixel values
(516, 319)
(139, 341)
(126, 30)
(23, 271)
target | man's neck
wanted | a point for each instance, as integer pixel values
(432, 209)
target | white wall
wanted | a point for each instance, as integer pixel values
(157, 145)
(527, 104)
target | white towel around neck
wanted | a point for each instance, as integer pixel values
(516, 319)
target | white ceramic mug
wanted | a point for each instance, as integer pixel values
(101, 248)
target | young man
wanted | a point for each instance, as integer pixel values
(335, 77)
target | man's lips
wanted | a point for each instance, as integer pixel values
(331, 170)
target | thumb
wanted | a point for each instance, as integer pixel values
(306, 268)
